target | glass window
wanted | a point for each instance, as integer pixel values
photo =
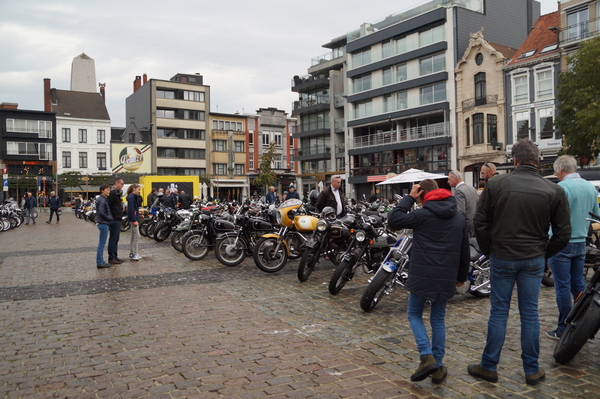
(166, 133)
(66, 135)
(220, 168)
(545, 86)
(238, 126)
(432, 64)
(251, 139)
(387, 49)
(227, 125)
(277, 138)
(492, 125)
(546, 124)
(193, 134)
(165, 113)
(401, 73)
(468, 131)
(522, 128)
(238, 146)
(194, 153)
(166, 153)
(431, 36)
(478, 129)
(480, 89)
(131, 138)
(165, 94)
(387, 76)
(521, 89)
(215, 124)
(193, 115)
(402, 100)
(433, 94)
(221, 125)
(362, 109)
(361, 83)
(388, 103)
(362, 58)
(66, 159)
(83, 136)
(239, 169)
(101, 158)
(83, 160)
(193, 95)
(101, 136)
(577, 24)
(251, 161)
(266, 139)
(219, 145)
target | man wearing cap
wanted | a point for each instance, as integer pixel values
(292, 193)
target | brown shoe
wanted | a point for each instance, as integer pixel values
(47, 221)
(427, 367)
(479, 372)
(439, 376)
(536, 378)
(114, 262)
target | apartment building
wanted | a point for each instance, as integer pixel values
(531, 78)
(579, 21)
(400, 109)
(176, 112)
(228, 156)
(480, 106)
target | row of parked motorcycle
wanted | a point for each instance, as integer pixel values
(294, 230)
(11, 216)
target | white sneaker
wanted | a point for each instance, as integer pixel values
(135, 257)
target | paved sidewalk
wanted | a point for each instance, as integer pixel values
(170, 327)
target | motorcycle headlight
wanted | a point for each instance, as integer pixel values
(321, 225)
(360, 236)
(278, 217)
(381, 209)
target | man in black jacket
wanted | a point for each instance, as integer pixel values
(332, 196)
(54, 203)
(512, 220)
(116, 209)
(184, 200)
(439, 262)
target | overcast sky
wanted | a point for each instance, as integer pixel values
(247, 51)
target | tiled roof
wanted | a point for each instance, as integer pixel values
(508, 52)
(78, 104)
(539, 38)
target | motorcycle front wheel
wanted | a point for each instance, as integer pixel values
(162, 232)
(307, 263)
(195, 247)
(267, 258)
(382, 280)
(341, 275)
(144, 227)
(230, 253)
(548, 279)
(578, 331)
(151, 229)
(176, 240)
(125, 225)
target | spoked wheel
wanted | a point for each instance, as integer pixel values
(230, 253)
(125, 225)
(144, 227)
(381, 282)
(483, 277)
(267, 257)
(583, 326)
(341, 275)
(195, 247)
(177, 240)
(307, 263)
(151, 229)
(548, 279)
(162, 232)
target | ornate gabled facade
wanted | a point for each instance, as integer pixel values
(480, 105)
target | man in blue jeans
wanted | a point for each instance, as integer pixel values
(439, 262)
(116, 209)
(514, 214)
(567, 265)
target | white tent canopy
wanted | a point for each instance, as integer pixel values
(411, 176)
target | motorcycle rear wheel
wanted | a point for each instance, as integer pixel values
(195, 247)
(265, 257)
(308, 262)
(162, 232)
(548, 279)
(237, 250)
(151, 229)
(144, 228)
(125, 225)
(581, 328)
(341, 275)
(381, 281)
(176, 240)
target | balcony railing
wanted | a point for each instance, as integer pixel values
(307, 78)
(580, 31)
(311, 101)
(326, 57)
(478, 101)
(311, 150)
(403, 135)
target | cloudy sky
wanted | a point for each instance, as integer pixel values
(247, 51)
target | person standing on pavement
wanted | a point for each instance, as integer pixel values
(567, 265)
(103, 221)
(332, 196)
(439, 262)
(185, 201)
(133, 215)
(513, 217)
(292, 193)
(270, 197)
(116, 209)
(54, 204)
(168, 199)
(29, 207)
(151, 197)
(466, 198)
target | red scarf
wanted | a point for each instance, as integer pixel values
(435, 195)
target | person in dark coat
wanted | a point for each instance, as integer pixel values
(332, 196)
(168, 199)
(29, 206)
(185, 201)
(116, 209)
(103, 220)
(292, 193)
(151, 197)
(439, 262)
(54, 203)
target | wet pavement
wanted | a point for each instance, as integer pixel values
(168, 327)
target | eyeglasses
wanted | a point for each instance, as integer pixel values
(486, 165)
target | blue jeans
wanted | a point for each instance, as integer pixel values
(527, 274)
(113, 240)
(416, 304)
(101, 243)
(567, 268)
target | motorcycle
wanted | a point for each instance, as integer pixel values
(479, 272)
(368, 247)
(329, 239)
(172, 219)
(125, 224)
(273, 250)
(583, 321)
(189, 222)
(198, 242)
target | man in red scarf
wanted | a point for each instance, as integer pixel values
(439, 262)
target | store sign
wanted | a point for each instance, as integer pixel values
(131, 158)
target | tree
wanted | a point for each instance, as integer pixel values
(69, 180)
(266, 177)
(578, 116)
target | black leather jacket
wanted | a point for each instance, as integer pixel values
(515, 212)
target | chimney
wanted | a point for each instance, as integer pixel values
(47, 99)
(9, 105)
(145, 79)
(102, 93)
(137, 83)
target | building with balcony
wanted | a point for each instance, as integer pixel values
(27, 149)
(271, 125)
(579, 21)
(480, 106)
(228, 163)
(176, 112)
(530, 84)
(401, 105)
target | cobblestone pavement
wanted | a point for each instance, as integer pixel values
(170, 327)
